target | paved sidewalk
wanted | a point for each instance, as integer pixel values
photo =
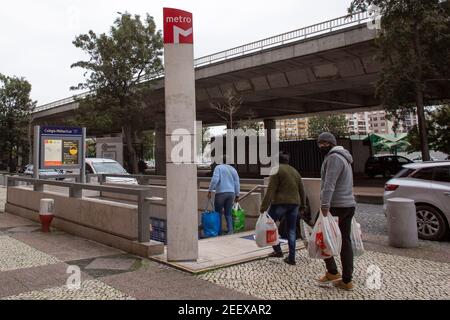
(2, 198)
(34, 265)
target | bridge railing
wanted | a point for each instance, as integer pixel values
(296, 35)
(292, 36)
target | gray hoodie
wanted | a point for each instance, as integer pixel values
(336, 186)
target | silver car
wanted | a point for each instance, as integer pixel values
(428, 184)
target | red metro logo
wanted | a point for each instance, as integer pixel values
(177, 26)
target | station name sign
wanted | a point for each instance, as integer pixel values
(177, 26)
(61, 131)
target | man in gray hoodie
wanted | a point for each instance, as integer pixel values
(336, 197)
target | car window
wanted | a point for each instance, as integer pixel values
(89, 168)
(403, 173)
(109, 167)
(388, 159)
(442, 174)
(402, 160)
(424, 174)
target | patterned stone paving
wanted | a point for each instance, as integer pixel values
(17, 255)
(400, 278)
(89, 290)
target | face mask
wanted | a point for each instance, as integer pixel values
(324, 150)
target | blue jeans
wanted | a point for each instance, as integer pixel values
(223, 203)
(290, 212)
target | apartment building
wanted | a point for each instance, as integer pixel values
(293, 129)
(361, 123)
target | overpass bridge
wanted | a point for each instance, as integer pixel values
(325, 67)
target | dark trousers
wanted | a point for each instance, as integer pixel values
(345, 224)
(289, 212)
(223, 203)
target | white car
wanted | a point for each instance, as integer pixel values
(108, 166)
(428, 184)
(49, 173)
(419, 159)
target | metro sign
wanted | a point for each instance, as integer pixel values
(177, 26)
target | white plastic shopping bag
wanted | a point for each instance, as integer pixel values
(356, 238)
(325, 240)
(266, 231)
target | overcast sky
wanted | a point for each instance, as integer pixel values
(36, 35)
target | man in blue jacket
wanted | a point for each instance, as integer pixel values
(225, 183)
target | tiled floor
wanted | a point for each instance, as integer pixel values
(219, 252)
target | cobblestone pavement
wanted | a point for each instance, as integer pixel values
(419, 273)
(104, 273)
(35, 266)
(371, 218)
(400, 278)
(2, 198)
(89, 290)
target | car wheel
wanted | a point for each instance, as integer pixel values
(430, 223)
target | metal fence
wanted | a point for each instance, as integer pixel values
(288, 37)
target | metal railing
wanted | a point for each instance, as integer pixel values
(292, 36)
(144, 198)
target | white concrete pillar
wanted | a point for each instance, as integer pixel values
(181, 169)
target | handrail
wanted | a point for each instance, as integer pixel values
(76, 191)
(287, 37)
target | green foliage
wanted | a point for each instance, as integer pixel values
(119, 75)
(148, 143)
(337, 125)
(414, 47)
(15, 116)
(438, 131)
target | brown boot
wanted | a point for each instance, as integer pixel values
(342, 285)
(329, 278)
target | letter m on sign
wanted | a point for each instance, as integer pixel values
(177, 26)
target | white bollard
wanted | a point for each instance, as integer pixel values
(402, 223)
(46, 212)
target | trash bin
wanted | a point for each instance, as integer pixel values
(402, 223)
(46, 213)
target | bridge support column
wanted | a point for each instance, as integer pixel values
(160, 145)
(269, 125)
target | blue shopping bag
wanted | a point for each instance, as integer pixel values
(210, 222)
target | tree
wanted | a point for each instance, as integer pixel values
(118, 74)
(249, 122)
(415, 56)
(227, 110)
(15, 117)
(438, 132)
(148, 142)
(336, 124)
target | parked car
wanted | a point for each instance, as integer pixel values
(47, 173)
(386, 165)
(419, 159)
(428, 184)
(108, 166)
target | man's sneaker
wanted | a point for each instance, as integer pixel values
(276, 254)
(342, 285)
(289, 261)
(329, 278)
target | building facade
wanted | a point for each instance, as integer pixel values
(360, 123)
(293, 129)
